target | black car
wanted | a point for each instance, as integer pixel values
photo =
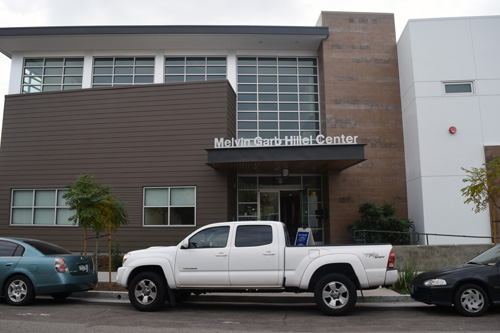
(471, 287)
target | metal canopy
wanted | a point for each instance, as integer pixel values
(98, 38)
(297, 159)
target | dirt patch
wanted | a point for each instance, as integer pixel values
(105, 286)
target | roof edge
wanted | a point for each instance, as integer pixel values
(163, 29)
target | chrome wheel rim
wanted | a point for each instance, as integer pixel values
(472, 300)
(335, 295)
(17, 291)
(145, 292)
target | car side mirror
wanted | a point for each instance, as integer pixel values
(185, 244)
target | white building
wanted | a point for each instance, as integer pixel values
(450, 82)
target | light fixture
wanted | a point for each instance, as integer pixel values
(284, 172)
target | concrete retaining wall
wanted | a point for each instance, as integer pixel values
(429, 257)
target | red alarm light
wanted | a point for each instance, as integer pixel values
(453, 130)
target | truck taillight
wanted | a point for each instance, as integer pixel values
(60, 266)
(392, 259)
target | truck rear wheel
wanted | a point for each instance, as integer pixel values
(335, 294)
(147, 291)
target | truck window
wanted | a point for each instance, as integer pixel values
(253, 235)
(210, 238)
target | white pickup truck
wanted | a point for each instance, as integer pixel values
(254, 256)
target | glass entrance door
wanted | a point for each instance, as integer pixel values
(269, 205)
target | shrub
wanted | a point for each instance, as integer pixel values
(381, 218)
(116, 256)
(406, 275)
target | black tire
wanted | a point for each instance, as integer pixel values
(335, 294)
(19, 290)
(471, 300)
(60, 296)
(147, 291)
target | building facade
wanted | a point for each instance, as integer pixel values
(199, 124)
(450, 92)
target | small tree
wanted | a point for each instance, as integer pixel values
(381, 218)
(95, 208)
(483, 189)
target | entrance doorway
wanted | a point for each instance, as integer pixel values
(290, 211)
(294, 200)
(281, 206)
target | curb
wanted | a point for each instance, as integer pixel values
(269, 298)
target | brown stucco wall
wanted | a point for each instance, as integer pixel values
(360, 96)
(129, 138)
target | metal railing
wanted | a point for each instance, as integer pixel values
(360, 235)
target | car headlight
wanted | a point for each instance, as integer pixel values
(435, 282)
(125, 257)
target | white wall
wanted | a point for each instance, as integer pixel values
(431, 52)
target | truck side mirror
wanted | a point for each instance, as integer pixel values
(185, 244)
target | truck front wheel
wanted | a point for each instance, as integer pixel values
(147, 291)
(335, 294)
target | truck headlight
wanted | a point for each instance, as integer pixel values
(125, 257)
(435, 282)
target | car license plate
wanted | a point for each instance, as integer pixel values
(82, 267)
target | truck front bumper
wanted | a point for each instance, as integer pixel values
(122, 275)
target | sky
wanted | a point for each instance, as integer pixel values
(37, 13)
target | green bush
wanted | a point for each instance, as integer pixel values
(116, 256)
(381, 218)
(406, 275)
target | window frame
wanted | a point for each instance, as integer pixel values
(115, 66)
(210, 245)
(184, 68)
(169, 206)
(241, 239)
(56, 207)
(64, 65)
(18, 246)
(278, 96)
(456, 83)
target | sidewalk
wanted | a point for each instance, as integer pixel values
(379, 295)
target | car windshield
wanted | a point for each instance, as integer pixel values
(489, 257)
(47, 248)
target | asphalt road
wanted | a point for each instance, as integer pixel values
(76, 315)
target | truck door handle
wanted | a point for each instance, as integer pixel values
(8, 264)
(268, 254)
(221, 255)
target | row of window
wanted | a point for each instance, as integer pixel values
(255, 75)
(52, 74)
(165, 206)
(246, 236)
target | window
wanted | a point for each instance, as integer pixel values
(458, 88)
(123, 71)
(210, 238)
(40, 207)
(52, 74)
(277, 97)
(253, 235)
(173, 206)
(10, 249)
(47, 248)
(186, 69)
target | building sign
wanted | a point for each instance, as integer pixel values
(287, 141)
